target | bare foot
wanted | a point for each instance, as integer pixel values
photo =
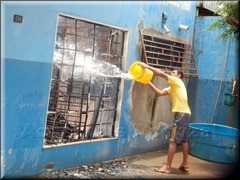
(164, 169)
(183, 168)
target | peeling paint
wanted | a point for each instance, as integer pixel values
(49, 166)
(22, 165)
(75, 154)
(135, 134)
(149, 136)
(130, 94)
(10, 151)
(21, 106)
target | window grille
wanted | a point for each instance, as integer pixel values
(83, 105)
(168, 54)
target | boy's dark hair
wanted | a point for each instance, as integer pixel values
(179, 71)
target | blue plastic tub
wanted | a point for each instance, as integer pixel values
(214, 142)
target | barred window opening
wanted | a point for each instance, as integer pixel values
(167, 54)
(83, 95)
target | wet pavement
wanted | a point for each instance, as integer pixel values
(142, 167)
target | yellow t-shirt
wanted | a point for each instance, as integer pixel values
(178, 93)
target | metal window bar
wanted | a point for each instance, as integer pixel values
(168, 54)
(73, 102)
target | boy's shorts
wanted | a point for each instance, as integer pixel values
(179, 128)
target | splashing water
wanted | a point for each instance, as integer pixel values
(93, 68)
(104, 69)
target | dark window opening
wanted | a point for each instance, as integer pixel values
(168, 54)
(82, 102)
(205, 12)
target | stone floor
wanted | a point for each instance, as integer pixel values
(141, 167)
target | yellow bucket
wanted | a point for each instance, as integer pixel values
(139, 73)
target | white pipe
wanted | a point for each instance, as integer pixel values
(166, 28)
(183, 27)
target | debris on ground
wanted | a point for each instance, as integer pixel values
(105, 170)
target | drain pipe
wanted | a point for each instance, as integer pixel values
(220, 86)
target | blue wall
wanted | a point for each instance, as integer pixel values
(218, 63)
(27, 53)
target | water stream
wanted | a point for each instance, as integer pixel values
(103, 69)
(90, 67)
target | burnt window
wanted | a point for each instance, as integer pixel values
(84, 94)
(167, 54)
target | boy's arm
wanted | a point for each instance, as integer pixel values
(155, 70)
(157, 91)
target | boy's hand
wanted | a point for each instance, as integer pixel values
(143, 64)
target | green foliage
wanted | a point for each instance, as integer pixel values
(225, 10)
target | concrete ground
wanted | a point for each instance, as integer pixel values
(142, 167)
(198, 168)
